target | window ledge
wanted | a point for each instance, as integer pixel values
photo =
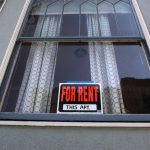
(75, 124)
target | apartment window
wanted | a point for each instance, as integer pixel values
(80, 41)
(2, 3)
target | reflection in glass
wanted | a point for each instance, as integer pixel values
(72, 65)
(106, 12)
(135, 78)
(125, 20)
(118, 15)
(121, 68)
(71, 17)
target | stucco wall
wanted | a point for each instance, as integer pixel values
(8, 20)
(73, 138)
(145, 7)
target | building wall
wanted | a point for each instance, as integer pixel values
(73, 138)
(145, 6)
(8, 20)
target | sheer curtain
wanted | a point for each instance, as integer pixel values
(103, 65)
(37, 82)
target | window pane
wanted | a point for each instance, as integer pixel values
(89, 20)
(72, 65)
(30, 28)
(52, 20)
(134, 77)
(81, 18)
(115, 18)
(70, 20)
(16, 80)
(121, 69)
(107, 20)
(70, 25)
(125, 20)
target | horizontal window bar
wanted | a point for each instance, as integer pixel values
(74, 118)
(70, 39)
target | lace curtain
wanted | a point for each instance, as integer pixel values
(102, 57)
(37, 82)
(36, 88)
(103, 65)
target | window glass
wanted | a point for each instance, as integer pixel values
(108, 26)
(115, 17)
(125, 20)
(15, 84)
(121, 69)
(30, 28)
(70, 19)
(89, 22)
(52, 20)
(134, 78)
(72, 65)
(75, 18)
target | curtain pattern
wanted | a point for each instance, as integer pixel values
(37, 82)
(103, 66)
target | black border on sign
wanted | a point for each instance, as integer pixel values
(101, 101)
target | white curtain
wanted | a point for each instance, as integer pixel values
(37, 84)
(103, 65)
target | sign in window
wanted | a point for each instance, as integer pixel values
(79, 97)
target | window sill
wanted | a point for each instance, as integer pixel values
(84, 118)
(75, 124)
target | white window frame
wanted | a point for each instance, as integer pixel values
(3, 5)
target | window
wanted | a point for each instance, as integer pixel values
(84, 18)
(2, 3)
(79, 40)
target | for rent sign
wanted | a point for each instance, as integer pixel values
(79, 97)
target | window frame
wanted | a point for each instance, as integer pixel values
(2, 6)
(141, 36)
(71, 117)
